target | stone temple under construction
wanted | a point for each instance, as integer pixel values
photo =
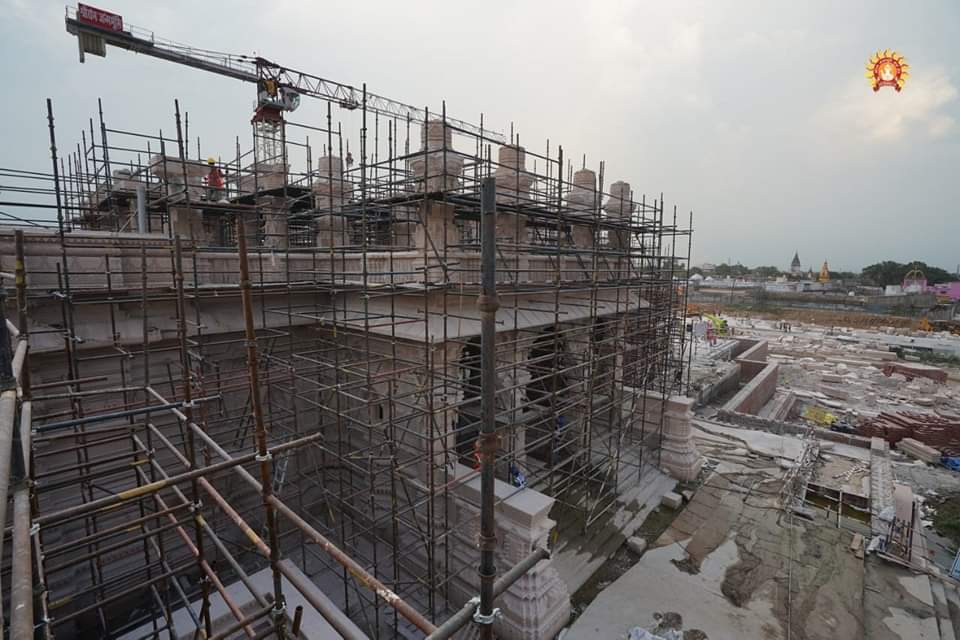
(254, 408)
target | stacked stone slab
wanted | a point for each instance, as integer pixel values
(918, 450)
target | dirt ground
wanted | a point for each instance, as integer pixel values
(824, 317)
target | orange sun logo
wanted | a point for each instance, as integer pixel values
(887, 69)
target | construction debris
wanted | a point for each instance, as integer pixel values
(935, 431)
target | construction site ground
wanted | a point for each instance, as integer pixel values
(733, 564)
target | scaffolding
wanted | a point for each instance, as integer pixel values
(283, 374)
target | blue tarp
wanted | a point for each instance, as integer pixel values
(951, 463)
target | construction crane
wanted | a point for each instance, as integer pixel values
(278, 88)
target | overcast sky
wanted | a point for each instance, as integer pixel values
(754, 115)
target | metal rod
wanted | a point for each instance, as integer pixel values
(263, 456)
(103, 417)
(7, 379)
(8, 412)
(21, 581)
(488, 304)
(362, 576)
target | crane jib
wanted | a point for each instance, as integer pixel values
(96, 28)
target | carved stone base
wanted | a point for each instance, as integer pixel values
(538, 604)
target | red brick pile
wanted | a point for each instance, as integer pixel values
(915, 370)
(939, 432)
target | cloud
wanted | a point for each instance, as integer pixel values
(923, 108)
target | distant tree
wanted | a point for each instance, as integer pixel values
(883, 273)
(696, 270)
(890, 272)
(766, 272)
(731, 271)
(936, 275)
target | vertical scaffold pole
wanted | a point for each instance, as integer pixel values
(263, 456)
(488, 305)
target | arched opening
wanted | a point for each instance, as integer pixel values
(546, 390)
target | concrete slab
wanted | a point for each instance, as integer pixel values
(898, 604)
(718, 571)
(672, 500)
(655, 585)
(761, 442)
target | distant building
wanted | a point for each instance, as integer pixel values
(708, 267)
(915, 281)
(795, 267)
(949, 290)
(824, 273)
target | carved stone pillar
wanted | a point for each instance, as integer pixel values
(188, 222)
(581, 201)
(402, 233)
(331, 189)
(513, 189)
(437, 229)
(619, 209)
(332, 231)
(679, 456)
(438, 166)
(273, 210)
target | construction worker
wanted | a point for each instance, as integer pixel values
(215, 182)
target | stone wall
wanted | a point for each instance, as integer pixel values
(750, 349)
(727, 383)
(755, 393)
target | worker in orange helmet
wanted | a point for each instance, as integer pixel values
(215, 182)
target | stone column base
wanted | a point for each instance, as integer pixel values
(678, 454)
(681, 460)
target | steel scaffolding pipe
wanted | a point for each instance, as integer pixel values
(362, 410)
(362, 576)
(488, 305)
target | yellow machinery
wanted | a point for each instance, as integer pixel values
(719, 324)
